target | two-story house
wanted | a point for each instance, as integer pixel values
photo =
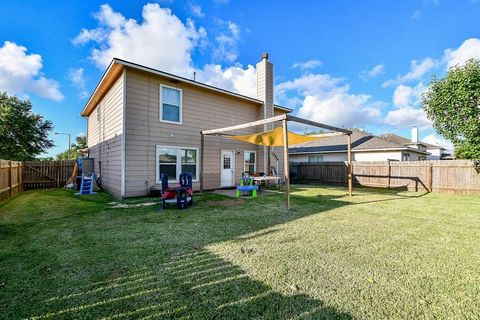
(143, 122)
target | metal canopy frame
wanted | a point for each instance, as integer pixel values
(284, 118)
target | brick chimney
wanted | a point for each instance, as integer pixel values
(265, 94)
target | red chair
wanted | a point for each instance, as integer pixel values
(167, 192)
(182, 194)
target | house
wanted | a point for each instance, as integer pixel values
(435, 152)
(142, 122)
(365, 147)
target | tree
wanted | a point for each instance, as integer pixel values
(23, 134)
(81, 143)
(453, 105)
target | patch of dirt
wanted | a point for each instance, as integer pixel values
(116, 205)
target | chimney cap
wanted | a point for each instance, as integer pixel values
(265, 55)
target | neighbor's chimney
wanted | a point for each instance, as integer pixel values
(414, 134)
(265, 94)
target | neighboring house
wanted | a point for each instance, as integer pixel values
(142, 122)
(365, 147)
(435, 152)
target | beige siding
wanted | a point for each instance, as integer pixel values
(202, 110)
(104, 135)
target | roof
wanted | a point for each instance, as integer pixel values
(433, 146)
(116, 66)
(401, 140)
(361, 141)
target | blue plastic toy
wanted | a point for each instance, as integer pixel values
(246, 186)
(86, 187)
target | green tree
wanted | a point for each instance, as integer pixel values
(453, 105)
(23, 134)
(75, 152)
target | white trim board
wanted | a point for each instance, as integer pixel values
(124, 128)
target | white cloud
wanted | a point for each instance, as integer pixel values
(161, 40)
(417, 71)
(469, 49)
(405, 96)
(195, 9)
(407, 117)
(77, 79)
(20, 73)
(434, 139)
(328, 100)
(306, 65)
(407, 113)
(164, 42)
(225, 48)
(235, 78)
(372, 73)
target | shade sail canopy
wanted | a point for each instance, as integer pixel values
(272, 138)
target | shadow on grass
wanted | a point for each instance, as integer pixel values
(148, 263)
(198, 285)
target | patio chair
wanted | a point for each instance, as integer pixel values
(247, 187)
(186, 183)
(167, 194)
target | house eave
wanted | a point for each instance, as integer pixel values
(118, 64)
(362, 150)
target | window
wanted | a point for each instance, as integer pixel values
(173, 161)
(406, 157)
(316, 158)
(170, 104)
(250, 162)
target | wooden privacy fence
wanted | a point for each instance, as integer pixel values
(46, 174)
(11, 174)
(16, 176)
(452, 176)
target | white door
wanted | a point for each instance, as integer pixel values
(227, 163)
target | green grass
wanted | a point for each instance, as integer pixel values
(377, 255)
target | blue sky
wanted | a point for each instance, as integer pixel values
(347, 63)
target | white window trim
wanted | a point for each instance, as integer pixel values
(178, 164)
(161, 105)
(254, 164)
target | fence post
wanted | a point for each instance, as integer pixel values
(389, 174)
(10, 178)
(58, 174)
(19, 176)
(430, 177)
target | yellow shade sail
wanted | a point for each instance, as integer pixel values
(272, 138)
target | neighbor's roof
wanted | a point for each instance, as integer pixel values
(397, 139)
(401, 140)
(115, 69)
(361, 141)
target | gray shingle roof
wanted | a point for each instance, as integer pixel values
(361, 140)
(401, 140)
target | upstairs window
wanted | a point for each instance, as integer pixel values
(170, 104)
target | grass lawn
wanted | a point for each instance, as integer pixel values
(377, 255)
